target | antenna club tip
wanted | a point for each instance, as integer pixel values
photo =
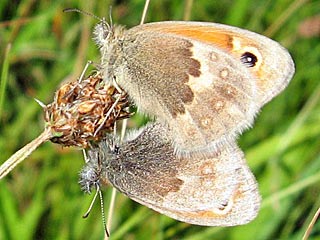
(70, 10)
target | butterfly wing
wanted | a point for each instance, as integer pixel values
(191, 75)
(215, 191)
(273, 68)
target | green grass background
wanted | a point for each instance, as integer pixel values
(40, 46)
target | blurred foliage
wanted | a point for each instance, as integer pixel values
(40, 46)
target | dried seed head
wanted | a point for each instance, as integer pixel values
(84, 111)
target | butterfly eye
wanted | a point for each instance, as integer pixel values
(249, 59)
(89, 177)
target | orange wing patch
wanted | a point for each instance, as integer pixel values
(204, 34)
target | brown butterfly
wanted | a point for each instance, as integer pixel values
(214, 191)
(207, 81)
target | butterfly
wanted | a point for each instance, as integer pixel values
(206, 81)
(212, 191)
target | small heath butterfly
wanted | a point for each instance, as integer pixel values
(212, 191)
(206, 81)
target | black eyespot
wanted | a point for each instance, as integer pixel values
(249, 59)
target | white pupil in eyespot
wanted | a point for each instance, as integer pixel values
(249, 59)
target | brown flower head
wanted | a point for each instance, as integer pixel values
(83, 111)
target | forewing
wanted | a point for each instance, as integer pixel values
(205, 94)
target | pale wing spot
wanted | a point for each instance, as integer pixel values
(207, 168)
(214, 57)
(205, 122)
(207, 183)
(219, 105)
(224, 73)
(197, 194)
(224, 209)
(230, 90)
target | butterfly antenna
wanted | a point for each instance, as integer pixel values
(102, 211)
(82, 12)
(98, 192)
(91, 204)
